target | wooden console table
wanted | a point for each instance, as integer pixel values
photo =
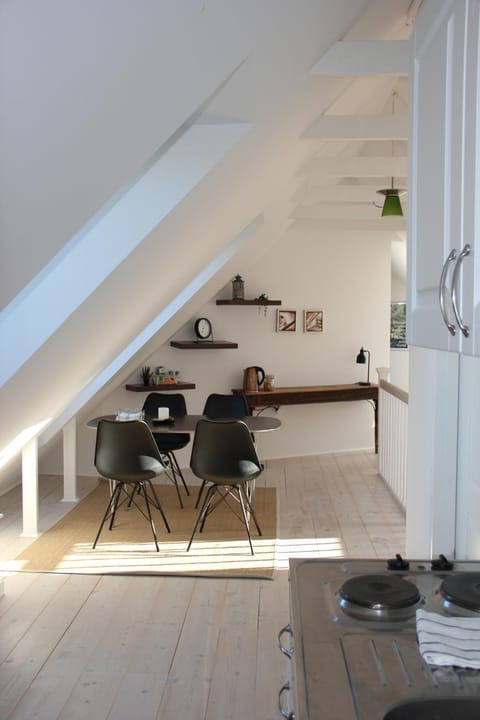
(314, 394)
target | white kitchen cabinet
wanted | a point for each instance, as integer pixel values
(444, 172)
(443, 486)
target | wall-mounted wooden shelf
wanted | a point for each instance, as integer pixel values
(203, 345)
(249, 302)
(161, 388)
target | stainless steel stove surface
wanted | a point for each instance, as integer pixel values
(354, 634)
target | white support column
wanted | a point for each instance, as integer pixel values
(30, 488)
(70, 461)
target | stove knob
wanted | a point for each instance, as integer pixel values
(441, 563)
(398, 563)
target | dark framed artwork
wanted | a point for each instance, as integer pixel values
(313, 321)
(398, 325)
(286, 320)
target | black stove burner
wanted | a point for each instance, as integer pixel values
(380, 592)
(462, 590)
(381, 598)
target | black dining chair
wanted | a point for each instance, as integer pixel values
(224, 457)
(222, 407)
(167, 443)
(126, 453)
(219, 406)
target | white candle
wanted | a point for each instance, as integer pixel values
(163, 413)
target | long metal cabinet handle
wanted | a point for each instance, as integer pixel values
(441, 291)
(284, 713)
(286, 651)
(464, 328)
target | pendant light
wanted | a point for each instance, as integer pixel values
(391, 205)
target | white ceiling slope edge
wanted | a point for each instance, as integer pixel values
(259, 94)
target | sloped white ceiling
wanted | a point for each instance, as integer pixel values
(63, 179)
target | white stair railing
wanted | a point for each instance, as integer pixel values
(392, 440)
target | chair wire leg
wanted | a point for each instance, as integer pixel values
(179, 472)
(209, 504)
(109, 509)
(116, 498)
(158, 506)
(245, 519)
(152, 524)
(200, 492)
(170, 473)
(202, 513)
(251, 509)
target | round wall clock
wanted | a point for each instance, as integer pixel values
(203, 328)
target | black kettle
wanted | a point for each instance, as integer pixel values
(253, 377)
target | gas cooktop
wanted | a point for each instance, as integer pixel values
(354, 629)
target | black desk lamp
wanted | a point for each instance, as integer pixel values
(361, 360)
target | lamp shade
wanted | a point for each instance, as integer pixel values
(362, 358)
(392, 205)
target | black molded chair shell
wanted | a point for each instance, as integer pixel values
(177, 408)
(223, 452)
(167, 443)
(224, 457)
(126, 453)
(219, 406)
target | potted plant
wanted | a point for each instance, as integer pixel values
(146, 374)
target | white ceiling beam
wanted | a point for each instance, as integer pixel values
(372, 57)
(341, 193)
(382, 224)
(359, 127)
(358, 166)
(342, 211)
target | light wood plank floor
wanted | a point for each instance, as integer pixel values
(75, 647)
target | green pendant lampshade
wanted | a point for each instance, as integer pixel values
(392, 205)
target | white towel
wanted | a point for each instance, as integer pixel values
(449, 640)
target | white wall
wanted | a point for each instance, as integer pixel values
(345, 275)
(399, 367)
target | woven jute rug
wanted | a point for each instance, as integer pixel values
(222, 548)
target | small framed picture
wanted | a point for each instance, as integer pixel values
(398, 325)
(286, 320)
(313, 321)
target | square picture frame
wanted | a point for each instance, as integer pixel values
(313, 321)
(286, 320)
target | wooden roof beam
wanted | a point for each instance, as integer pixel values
(358, 127)
(370, 57)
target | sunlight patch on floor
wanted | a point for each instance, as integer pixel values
(131, 557)
(220, 555)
